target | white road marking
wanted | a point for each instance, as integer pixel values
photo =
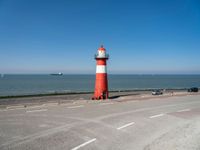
(126, 125)
(64, 104)
(31, 107)
(84, 144)
(14, 107)
(3, 110)
(155, 116)
(145, 96)
(39, 110)
(183, 110)
(106, 103)
(147, 108)
(76, 106)
(52, 104)
(43, 125)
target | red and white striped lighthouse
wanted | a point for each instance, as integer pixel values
(101, 84)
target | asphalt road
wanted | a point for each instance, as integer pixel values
(171, 123)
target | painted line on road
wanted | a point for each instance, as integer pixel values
(126, 125)
(52, 104)
(76, 106)
(3, 110)
(84, 144)
(65, 104)
(39, 110)
(183, 110)
(146, 108)
(14, 107)
(31, 107)
(155, 116)
(106, 103)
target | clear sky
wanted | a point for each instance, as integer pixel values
(141, 36)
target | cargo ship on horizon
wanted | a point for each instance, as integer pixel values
(57, 74)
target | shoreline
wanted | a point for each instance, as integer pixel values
(59, 99)
(84, 92)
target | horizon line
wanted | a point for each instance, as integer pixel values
(108, 74)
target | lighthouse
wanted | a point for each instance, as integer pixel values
(101, 83)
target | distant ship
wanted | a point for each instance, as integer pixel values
(57, 74)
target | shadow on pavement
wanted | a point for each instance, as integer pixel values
(117, 96)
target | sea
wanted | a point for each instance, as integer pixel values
(11, 85)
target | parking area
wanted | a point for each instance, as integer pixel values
(147, 124)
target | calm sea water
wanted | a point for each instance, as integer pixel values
(37, 84)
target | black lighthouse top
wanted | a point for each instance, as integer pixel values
(101, 53)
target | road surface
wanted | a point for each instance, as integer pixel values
(159, 123)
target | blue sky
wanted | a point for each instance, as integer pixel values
(141, 36)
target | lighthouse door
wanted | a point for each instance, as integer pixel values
(104, 94)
